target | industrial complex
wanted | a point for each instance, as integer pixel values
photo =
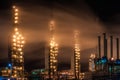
(101, 67)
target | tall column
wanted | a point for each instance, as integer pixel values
(117, 47)
(53, 52)
(99, 46)
(76, 55)
(111, 46)
(105, 45)
(16, 44)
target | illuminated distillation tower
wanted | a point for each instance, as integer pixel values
(16, 49)
(76, 55)
(53, 53)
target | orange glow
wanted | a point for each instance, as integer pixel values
(18, 38)
(16, 29)
(16, 14)
(14, 40)
(14, 7)
(15, 21)
(22, 37)
(112, 58)
(17, 33)
(17, 48)
(16, 10)
(53, 49)
(14, 36)
(14, 44)
(16, 18)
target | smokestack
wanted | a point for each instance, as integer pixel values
(99, 46)
(117, 43)
(105, 44)
(111, 46)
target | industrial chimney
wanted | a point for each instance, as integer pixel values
(99, 46)
(105, 45)
(111, 46)
(117, 47)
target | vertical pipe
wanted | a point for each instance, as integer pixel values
(105, 45)
(111, 46)
(99, 46)
(117, 43)
(104, 42)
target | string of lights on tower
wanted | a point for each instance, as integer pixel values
(53, 53)
(16, 44)
(76, 55)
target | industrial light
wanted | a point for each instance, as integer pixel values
(16, 10)
(16, 52)
(112, 59)
(53, 52)
(9, 65)
(14, 7)
(77, 55)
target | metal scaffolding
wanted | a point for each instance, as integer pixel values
(53, 52)
(76, 55)
(16, 44)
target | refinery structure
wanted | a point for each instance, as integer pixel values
(53, 53)
(16, 42)
(100, 66)
(16, 46)
(75, 59)
(103, 66)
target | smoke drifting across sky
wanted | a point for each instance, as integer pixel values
(34, 23)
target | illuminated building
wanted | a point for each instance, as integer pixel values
(16, 44)
(92, 63)
(75, 60)
(53, 52)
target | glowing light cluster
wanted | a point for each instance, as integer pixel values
(15, 14)
(17, 53)
(53, 52)
(77, 55)
(16, 49)
(18, 40)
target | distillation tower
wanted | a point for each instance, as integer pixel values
(76, 55)
(53, 52)
(15, 52)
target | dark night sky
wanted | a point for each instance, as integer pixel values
(90, 17)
